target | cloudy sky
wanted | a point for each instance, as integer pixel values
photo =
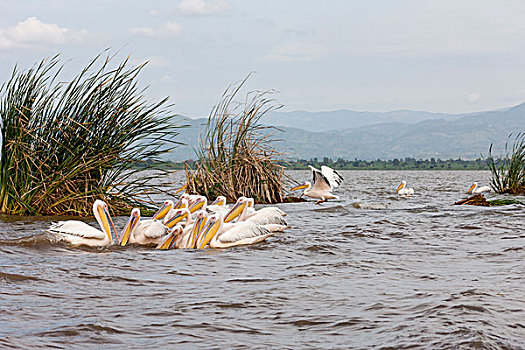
(378, 55)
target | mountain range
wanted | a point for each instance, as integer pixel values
(379, 135)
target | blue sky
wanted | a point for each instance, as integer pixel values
(378, 55)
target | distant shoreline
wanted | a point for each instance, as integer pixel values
(341, 164)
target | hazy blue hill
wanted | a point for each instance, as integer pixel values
(466, 136)
(344, 119)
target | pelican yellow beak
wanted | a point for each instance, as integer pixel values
(130, 226)
(208, 233)
(399, 187)
(178, 205)
(196, 205)
(176, 219)
(235, 211)
(197, 227)
(299, 187)
(219, 202)
(168, 242)
(471, 188)
(161, 213)
(106, 220)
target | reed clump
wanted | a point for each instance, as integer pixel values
(508, 171)
(236, 153)
(65, 144)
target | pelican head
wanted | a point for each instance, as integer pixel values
(170, 240)
(181, 203)
(221, 200)
(473, 187)
(213, 225)
(133, 221)
(101, 213)
(163, 210)
(401, 186)
(306, 185)
(199, 202)
(237, 209)
(178, 215)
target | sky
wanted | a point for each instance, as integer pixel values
(452, 56)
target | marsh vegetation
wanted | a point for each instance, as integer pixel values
(508, 171)
(236, 153)
(65, 144)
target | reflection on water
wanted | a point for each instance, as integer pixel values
(372, 270)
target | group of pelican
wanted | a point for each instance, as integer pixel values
(327, 179)
(190, 223)
(474, 189)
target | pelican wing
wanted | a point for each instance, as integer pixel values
(240, 234)
(154, 229)
(334, 179)
(76, 228)
(320, 182)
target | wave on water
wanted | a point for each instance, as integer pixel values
(370, 206)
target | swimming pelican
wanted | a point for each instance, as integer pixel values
(263, 216)
(188, 238)
(79, 233)
(169, 242)
(240, 233)
(475, 189)
(325, 180)
(151, 231)
(402, 190)
(219, 206)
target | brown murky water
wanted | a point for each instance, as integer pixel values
(370, 271)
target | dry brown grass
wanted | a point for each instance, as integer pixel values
(236, 156)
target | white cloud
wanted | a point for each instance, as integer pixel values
(295, 52)
(203, 8)
(32, 31)
(473, 97)
(169, 29)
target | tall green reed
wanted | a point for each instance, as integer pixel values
(508, 171)
(65, 144)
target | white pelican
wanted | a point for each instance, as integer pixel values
(241, 233)
(402, 190)
(146, 231)
(219, 206)
(325, 180)
(475, 189)
(181, 203)
(263, 216)
(79, 233)
(169, 242)
(188, 238)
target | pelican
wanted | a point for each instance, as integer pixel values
(198, 202)
(402, 190)
(325, 180)
(146, 231)
(169, 241)
(79, 233)
(219, 206)
(263, 216)
(181, 203)
(241, 233)
(475, 189)
(188, 238)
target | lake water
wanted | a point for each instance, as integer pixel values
(372, 270)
